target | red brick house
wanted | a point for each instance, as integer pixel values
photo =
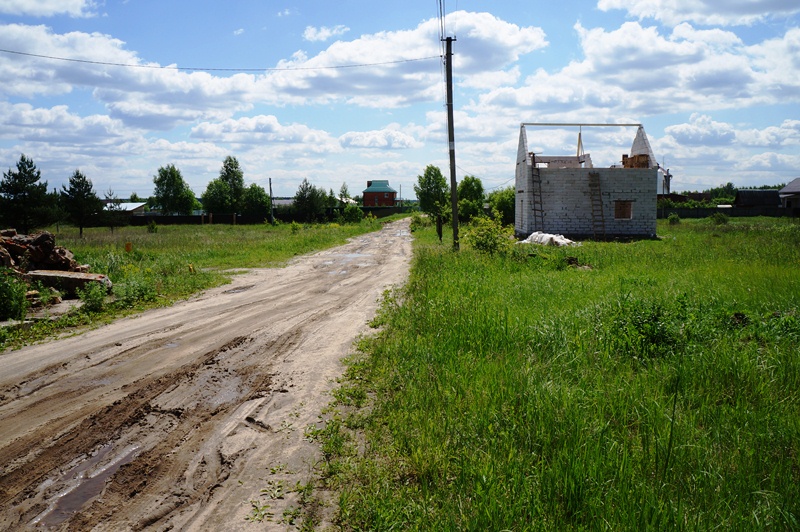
(379, 194)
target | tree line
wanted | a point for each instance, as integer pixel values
(26, 204)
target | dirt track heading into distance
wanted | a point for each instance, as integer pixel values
(179, 417)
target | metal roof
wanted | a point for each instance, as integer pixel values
(379, 186)
(791, 188)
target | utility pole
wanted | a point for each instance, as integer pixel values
(271, 205)
(451, 138)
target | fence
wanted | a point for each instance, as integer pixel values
(283, 215)
(733, 212)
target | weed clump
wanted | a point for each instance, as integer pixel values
(418, 221)
(93, 296)
(719, 218)
(13, 304)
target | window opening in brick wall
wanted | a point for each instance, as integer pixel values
(623, 210)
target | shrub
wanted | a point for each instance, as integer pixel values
(133, 291)
(418, 221)
(719, 218)
(673, 218)
(352, 214)
(152, 227)
(488, 235)
(296, 227)
(93, 296)
(13, 304)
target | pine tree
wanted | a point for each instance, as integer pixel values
(80, 200)
(24, 202)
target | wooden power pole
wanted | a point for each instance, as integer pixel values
(451, 138)
(271, 205)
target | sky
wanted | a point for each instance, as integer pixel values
(350, 91)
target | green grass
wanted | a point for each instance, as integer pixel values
(176, 262)
(659, 389)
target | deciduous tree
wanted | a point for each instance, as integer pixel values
(217, 197)
(172, 193)
(233, 176)
(344, 193)
(433, 195)
(255, 201)
(310, 202)
(470, 198)
(432, 191)
(502, 201)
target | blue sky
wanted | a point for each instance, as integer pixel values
(348, 91)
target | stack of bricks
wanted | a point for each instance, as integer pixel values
(636, 161)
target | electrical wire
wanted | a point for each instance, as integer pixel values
(202, 69)
(483, 178)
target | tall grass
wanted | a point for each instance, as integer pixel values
(176, 261)
(658, 389)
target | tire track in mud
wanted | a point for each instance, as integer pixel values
(18, 486)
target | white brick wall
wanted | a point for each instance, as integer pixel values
(567, 203)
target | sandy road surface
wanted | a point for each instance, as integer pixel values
(179, 417)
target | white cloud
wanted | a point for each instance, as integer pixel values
(47, 8)
(785, 135)
(238, 32)
(393, 75)
(57, 126)
(635, 71)
(706, 12)
(702, 131)
(265, 131)
(390, 138)
(324, 33)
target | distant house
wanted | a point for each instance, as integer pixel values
(757, 198)
(790, 195)
(379, 194)
(126, 207)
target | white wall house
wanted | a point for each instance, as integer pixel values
(567, 195)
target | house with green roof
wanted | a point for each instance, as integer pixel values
(379, 194)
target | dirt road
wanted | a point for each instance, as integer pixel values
(178, 418)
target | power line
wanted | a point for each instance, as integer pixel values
(159, 67)
(484, 178)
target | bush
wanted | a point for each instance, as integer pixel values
(719, 218)
(352, 214)
(418, 221)
(296, 227)
(152, 227)
(93, 296)
(673, 218)
(488, 235)
(13, 304)
(133, 291)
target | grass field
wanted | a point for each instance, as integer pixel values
(175, 262)
(656, 387)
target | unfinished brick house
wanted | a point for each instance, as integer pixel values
(567, 195)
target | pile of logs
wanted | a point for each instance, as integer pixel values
(35, 252)
(37, 258)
